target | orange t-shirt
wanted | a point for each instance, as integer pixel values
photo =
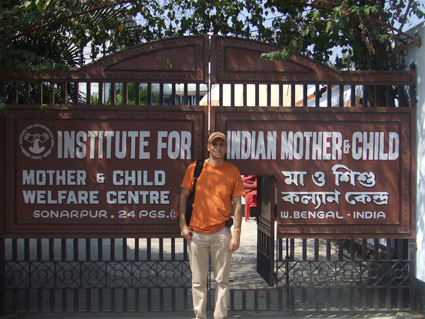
(215, 188)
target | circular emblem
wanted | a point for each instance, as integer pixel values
(36, 141)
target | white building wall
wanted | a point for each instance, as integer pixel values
(323, 102)
(417, 56)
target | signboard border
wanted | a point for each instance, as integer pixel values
(10, 229)
(407, 118)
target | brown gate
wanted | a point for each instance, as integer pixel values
(138, 272)
(266, 230)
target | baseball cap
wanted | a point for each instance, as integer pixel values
(215, 135)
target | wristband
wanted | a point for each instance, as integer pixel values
(237, 229)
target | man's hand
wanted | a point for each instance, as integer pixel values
(186, 232)
(236, 238)
(235, 241)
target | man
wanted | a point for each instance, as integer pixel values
(218, 191)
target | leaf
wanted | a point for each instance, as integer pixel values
(2, 108)
(2, 104)
(40, 5)
(44, 108)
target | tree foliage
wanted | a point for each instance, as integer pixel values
(368, 32)
(131, 95)
(40, 35)
(44, 34)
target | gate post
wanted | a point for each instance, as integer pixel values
(412, 277)
(2, 276)
(266, 229)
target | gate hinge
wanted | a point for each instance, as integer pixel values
(414, 246)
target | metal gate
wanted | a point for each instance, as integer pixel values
(347, 275)
(152, 274)
(266, 229)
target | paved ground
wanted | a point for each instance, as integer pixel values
(244, 260)
(232, 314)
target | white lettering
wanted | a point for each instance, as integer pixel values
(245, 145)
(369, 215)
(60, 197)
(375, 146)
(120, 144)
(178, 144)
(314, 215)
(138, 178)
(50, 214)
(138, 197)
(47, 177)
(311, 145)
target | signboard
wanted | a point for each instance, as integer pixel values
(342, 172)
(94, 173)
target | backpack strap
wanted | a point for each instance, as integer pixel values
(196, 173)
(198, 169)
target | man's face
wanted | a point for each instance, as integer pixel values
(217, 148)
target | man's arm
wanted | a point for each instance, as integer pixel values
(185, 231)
(237, 214)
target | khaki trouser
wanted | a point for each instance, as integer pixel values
(199, 247)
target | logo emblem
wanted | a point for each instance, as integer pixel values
(36, 141)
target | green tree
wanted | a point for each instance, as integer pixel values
(369, 32)
(131, 95)
(40, 35)
(43, 34)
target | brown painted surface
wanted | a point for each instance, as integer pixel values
(170, 60)
(235, 60)
(67, 172)
(92, 173)
(358, 181)
(232, 60)
(186, 60)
